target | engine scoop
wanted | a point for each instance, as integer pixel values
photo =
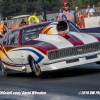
(55, 27)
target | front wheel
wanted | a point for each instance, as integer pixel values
(98, 62)
(36, 68)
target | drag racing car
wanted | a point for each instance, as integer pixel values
(47, 46)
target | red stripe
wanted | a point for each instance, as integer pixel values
(10, 65)
(70, 40)
(96, 35)
(76, 39)
(6, 55)
(44, 51)
(43, 47)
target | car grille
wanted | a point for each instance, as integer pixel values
(73, 51)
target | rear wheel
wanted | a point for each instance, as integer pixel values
(3, 69)
(36, 68)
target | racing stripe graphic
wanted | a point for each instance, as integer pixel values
(47, 30)
(5, 53)
(96, 35)
(76, 39)
(14, 65)
(43, 47)
(38, 54)
(70, 40)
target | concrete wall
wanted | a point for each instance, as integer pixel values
(92, 22)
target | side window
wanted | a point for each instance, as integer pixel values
(16, 36)
(5, 42)
(31, 33)
(12, 39)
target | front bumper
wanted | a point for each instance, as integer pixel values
(63, 63)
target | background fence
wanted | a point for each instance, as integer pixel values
(50, 15)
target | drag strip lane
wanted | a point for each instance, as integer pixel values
(63, 85)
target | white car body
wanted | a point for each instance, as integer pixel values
(52, 50)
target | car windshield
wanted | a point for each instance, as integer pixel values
(33, 32)
(72, 27)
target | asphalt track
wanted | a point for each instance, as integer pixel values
(59, 85)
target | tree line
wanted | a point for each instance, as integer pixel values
(18, 7)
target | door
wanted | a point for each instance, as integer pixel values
(11, 55)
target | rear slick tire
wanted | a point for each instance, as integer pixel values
(3, 69)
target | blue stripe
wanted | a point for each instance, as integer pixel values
(64, 16)
(39, 55)
(18, 64)
(61, 11)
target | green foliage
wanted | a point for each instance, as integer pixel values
(38, 5)
(17, 7)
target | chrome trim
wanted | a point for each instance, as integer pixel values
(70, 58)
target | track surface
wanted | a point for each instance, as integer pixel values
(63, 85)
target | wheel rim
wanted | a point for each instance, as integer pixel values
(36, 67)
